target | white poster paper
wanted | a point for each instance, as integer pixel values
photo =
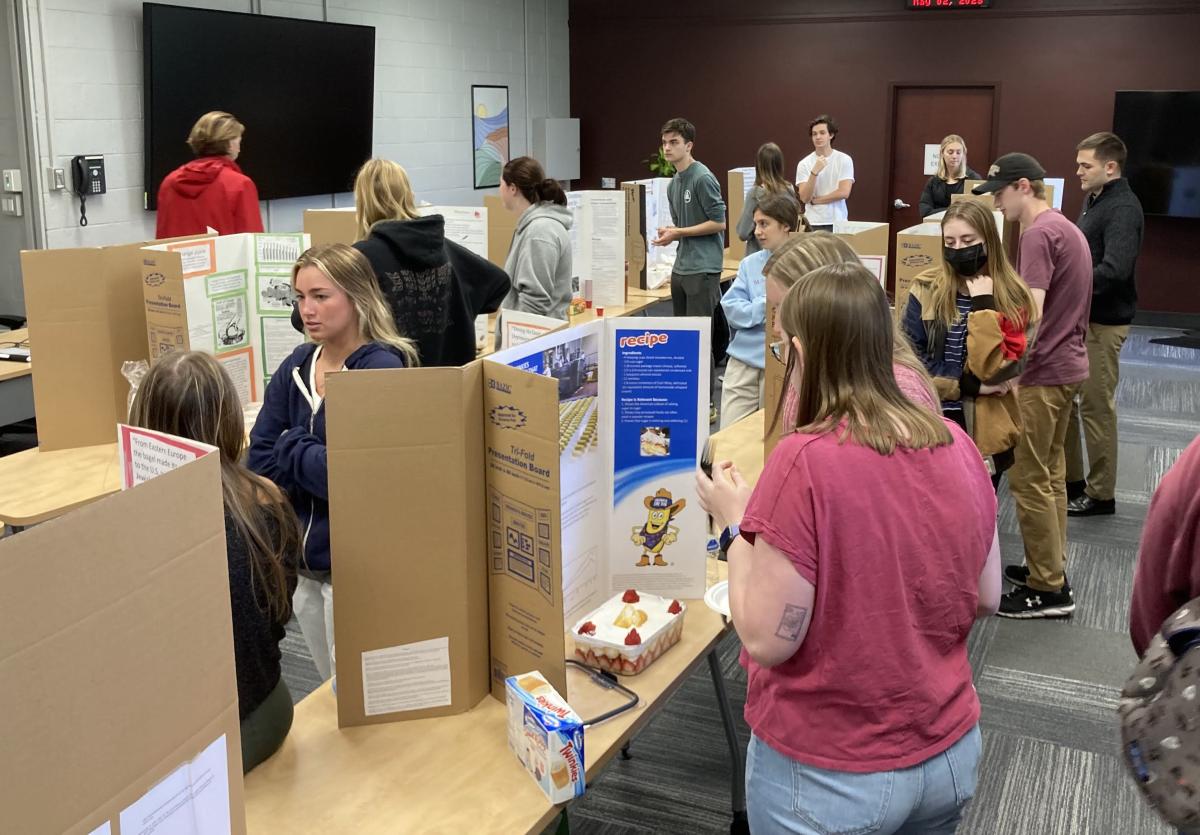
(103, 829)
(408, 677)
(874, 263)
(465, 226)
(230, 322)
(748, 173)
(932, 152)
(218, 284)
(1059, 184)
(273, 292)
(518, 327)
(279, 339)
(197, 258)
(239, 365)
(598, 243)
(144, 453)
(193, 800)
(278, 249)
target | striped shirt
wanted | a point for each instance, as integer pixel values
(955, 353)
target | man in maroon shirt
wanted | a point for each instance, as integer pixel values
(1056, 263)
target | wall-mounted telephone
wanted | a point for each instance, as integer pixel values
(87, 177)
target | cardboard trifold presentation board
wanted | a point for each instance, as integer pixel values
(118, 696)
(646, 211)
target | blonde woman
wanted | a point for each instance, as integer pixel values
(857, 566)
(190, 395)
(800, 255)
(434, 287)
(351, 328)
(952, 172)
(769, 181)
(211, 190)
(972, 322)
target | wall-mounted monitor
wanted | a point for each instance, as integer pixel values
(1160, 129)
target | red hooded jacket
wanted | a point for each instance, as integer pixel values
(208, 191)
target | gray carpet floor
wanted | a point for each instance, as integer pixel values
(1048, 688)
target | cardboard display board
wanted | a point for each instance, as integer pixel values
(870, 241)
(330, 226)
(230, 297)
(118, 695)
(501, 226)
(740, 182)
(647, 210)
(86, 318)
(918, 248)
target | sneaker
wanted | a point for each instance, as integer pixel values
(1075, 489)
(1018, 575)
(1031, 603)
(712, 414)
(1085, 505)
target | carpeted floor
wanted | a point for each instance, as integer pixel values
(1048, 688)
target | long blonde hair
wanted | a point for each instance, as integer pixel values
(801, 254)
(942, 173)
(1012, 295)
(351, 272)
(840, 316)
(381, 192)
(190, 395)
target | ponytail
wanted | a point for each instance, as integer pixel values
(552, 191)
(526, 174)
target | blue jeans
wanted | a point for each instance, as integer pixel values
(785, 796)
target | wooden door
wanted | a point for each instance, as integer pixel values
(922, 115)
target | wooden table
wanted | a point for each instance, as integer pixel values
(16, 382)
(456, 774)
(36, 486)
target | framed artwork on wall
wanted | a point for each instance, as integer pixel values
(489, 133)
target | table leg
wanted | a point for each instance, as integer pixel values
(738, 788)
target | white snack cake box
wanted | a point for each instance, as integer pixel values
(546, 735)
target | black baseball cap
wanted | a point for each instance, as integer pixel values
(1007, 170)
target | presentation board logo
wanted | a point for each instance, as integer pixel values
(155, 279)
(507, 417)
(644, 340)
(916, 260)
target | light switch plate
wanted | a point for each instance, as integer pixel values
(10, 204)
(608, 182)
(57, 178)
(12, 180)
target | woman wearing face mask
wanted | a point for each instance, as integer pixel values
(745, 306)
(972, 322)
(951, 174)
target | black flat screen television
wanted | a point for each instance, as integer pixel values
(1160, 129)
(304, 90)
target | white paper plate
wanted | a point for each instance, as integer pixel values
(717, 598)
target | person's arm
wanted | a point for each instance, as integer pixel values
(770, 602)
(1122, 237)
(842, 192)
(483, 284)
(989, 580)
(745, 224)
(246, 213)
(806, 179)
(1039, 300)
(272, 421)
(925, 206)
(914, 329)
(533, 275)
(302, 458)
(742, 309)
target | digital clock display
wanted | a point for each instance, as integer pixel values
(948, 4)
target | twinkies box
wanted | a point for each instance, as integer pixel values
(546, 735)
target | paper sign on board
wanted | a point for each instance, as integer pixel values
(193, 800)
(932, 152)
(409, 677)
(145, 453)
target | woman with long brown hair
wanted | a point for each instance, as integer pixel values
(350, 326)
(190, 395)
(539, 259)
(857, 566)
(972, 321)
(769, 181)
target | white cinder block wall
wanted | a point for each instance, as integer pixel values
(428, 53)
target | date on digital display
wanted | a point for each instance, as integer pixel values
(948, 4)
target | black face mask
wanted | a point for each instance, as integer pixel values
(967, 261)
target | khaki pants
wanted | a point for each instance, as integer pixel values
(1098, 408)
(1037, 481)
(741, 392)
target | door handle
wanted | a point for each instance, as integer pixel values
(900, 204)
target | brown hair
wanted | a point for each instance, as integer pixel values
(800, 255)
(768, 170)
(527, 175)
(830, 125)
(942, 173)
(782, 208)
(680, 126)
(1038, 188)
(1012, 295)
(190, 395)
(352, 273)
(212, 133)
(1107, 147)
(841, 318)
(381, 192)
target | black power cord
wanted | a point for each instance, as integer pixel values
(609, 682)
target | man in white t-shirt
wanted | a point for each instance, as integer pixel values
(824, 177)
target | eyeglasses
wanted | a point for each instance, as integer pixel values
(778, 350)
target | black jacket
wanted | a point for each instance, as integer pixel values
(1113, 223)
(434, 287)
(936, 195)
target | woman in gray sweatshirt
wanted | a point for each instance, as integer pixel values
(539, 260)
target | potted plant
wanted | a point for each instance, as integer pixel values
(658, 165)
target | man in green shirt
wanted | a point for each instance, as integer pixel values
(698, 213)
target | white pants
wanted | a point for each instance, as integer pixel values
(313, 605)
(741, 392)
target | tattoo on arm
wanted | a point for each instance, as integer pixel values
(792, 622)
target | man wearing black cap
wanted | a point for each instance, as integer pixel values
(1056, 263)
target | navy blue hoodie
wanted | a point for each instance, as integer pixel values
(287, 443)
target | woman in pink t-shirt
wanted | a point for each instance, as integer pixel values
(857, 566)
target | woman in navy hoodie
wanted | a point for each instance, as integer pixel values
(350, 326)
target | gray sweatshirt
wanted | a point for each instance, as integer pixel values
(539, 262)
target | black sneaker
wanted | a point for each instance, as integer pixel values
(1031, 603)
(1085, 505)
(1075, 489)
(1018, 575)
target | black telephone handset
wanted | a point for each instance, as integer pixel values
(87, 177)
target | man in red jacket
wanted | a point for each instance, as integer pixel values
(211, 190)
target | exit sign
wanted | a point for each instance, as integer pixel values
(948, 4)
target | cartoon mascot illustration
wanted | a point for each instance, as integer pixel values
(657, 532)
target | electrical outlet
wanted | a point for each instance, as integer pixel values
(57, 178)
(608, 182)
(12, 179)
(10, 204)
